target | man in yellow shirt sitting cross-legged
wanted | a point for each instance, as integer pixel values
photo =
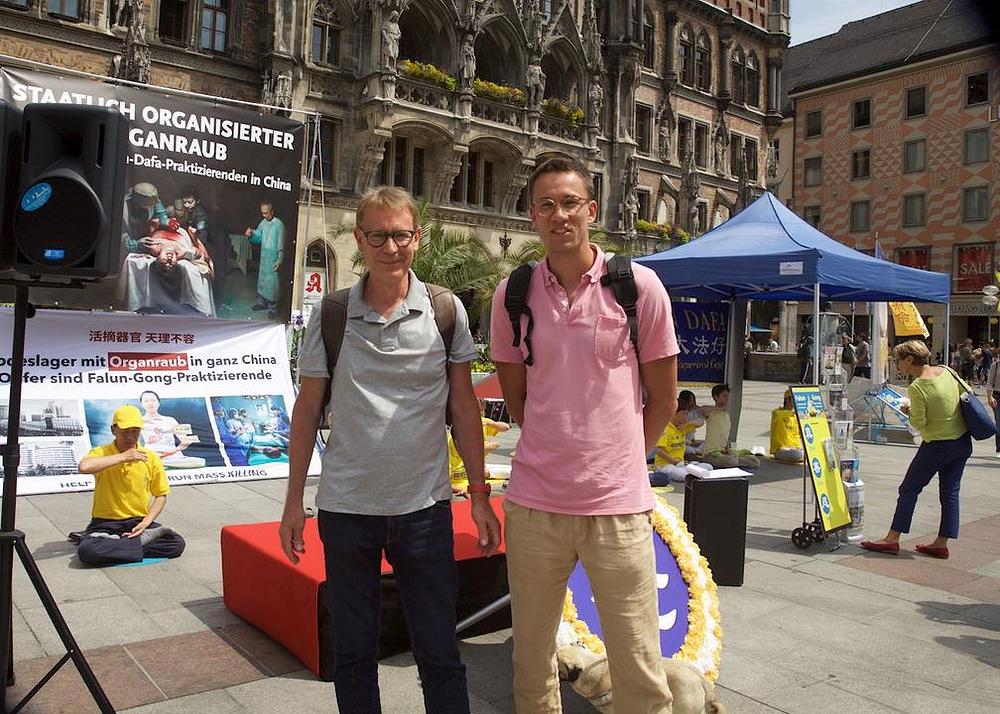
(123, 527)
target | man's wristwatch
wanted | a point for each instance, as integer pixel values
(483, 488)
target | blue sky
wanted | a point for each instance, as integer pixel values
(815, 18)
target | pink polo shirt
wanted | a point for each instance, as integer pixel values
(582, 450)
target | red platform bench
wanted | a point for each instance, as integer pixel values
(287, 601)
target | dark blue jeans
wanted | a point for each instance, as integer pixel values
(420, 548)
(946, 459)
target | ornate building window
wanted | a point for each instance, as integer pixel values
(735, 151)
(65, 8)
(750, 151)
(703, 63)
(476, 181)
(323, 171)
(738, 75)
(685, 138)
(643, 128)
(648, 44)
(403, 165)
(214, 25)
(686, 51)
(701, 145)
(173, 21)
(753, 81)
(325, 35)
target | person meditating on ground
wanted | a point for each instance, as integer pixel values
(123, 527)
(668, 454)
(716, 449)
(786, 442)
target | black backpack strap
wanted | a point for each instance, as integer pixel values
(515, 300)
(444, 313)
(622, 282)
(333, 321)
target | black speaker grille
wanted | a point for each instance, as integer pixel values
(64, 230)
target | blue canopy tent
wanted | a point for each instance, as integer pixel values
(766, 252)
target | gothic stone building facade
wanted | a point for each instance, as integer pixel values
(670, 103)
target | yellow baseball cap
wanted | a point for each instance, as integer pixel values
(127, 417)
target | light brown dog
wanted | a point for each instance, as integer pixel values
(590, 677)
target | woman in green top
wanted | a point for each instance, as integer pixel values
(934, 412)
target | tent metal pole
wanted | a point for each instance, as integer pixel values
(816, 334)
(945, 348)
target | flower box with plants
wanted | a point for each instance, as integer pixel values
(663, 231)
(426, 73)
(562, 110)
(498, 92)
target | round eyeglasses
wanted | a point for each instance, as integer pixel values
(570, 205)
(377, 239)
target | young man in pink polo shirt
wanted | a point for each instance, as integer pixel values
(579, 489)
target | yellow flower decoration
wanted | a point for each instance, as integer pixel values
(702, 647)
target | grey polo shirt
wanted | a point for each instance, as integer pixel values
(387, 452)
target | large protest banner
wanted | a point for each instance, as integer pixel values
(196, 237)
(215, 395)
(701, 335)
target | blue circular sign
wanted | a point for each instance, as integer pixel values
(672, 599)
(36, 197)
(817, 468)
(808, 432)
(824, 503)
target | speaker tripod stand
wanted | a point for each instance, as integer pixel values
(12, 540)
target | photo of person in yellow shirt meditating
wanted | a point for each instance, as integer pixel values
(456, 467)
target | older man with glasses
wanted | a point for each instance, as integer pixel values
(579, 489)
(384, 484)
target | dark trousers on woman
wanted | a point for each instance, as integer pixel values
(420, 548)
(996, 418)
(947, 460)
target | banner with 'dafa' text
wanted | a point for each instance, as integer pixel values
(216, 396)
(701, 335)
(210, 206)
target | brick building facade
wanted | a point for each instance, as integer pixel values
(458, 100)
(891, 132)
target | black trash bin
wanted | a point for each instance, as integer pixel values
(715, 510)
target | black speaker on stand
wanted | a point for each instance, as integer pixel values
(61, 228)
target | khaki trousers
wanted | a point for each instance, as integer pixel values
(617, 551)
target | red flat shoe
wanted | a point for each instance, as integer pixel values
(934, 551)
(881, 547)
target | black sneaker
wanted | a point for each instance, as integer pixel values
(76, 536)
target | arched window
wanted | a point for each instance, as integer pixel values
(753, 81)
(738, 78)
(686, 51)
(326, 34)
(703, 63)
